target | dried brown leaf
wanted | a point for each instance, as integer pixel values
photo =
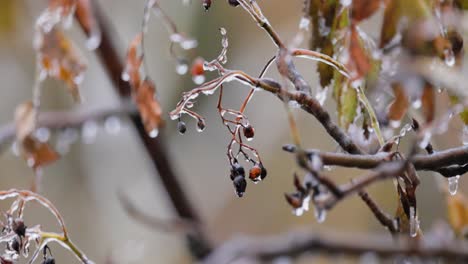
(134, 61)
(36, 153)
(149, 107)
(59, 58)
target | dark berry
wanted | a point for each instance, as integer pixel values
(263, 172)
(181, 127)
(249, 132)
(233, 2)
(206, 4)
(240, 185)
(19, 228)
(237, 170)
(49, 260)
(201, 125)
(289, 148)
(15, 245)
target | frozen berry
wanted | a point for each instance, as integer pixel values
(240, 185)
(249, 132)
(255, 172)
(233, 2)
(181, 127)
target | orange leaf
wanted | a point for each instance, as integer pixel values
(133, 63)
(38, 154)
(359, 58)
(149, 107)
(400, 104)
(362, 9)
(59, 58)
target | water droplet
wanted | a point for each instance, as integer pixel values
(31, 162)
(321, 95)
(369, 258)
(320, 214)
(395, 123)
(198, 79)
(317, 163)
(414, 222)
(449, 57)
(465, 135)
(15, 149)
(89, 131)
(304, 23)
(294, 104)
(112, 125)
(453, 184)
(425, 140)
(188, 44)
(42, 134)
(416, 104)
(154, 133)
(346, 2)
(181, 68)
(125, 76)
(93, 40)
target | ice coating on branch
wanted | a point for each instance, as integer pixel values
(414, 222)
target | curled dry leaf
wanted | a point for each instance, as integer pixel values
(143, 91)
(400, 104)
(36, 153)
(148, 106)
(58, 58)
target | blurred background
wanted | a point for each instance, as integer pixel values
(84, 183)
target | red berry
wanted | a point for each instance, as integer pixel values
(255, 173)
(197, 67)
(249, 132)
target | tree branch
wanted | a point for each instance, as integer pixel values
(450, 162)
(298, 243)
